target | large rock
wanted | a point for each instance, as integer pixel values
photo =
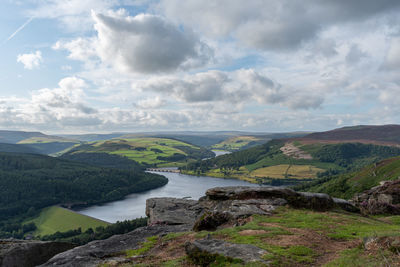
(315, 201)
(172, 211)
(96, 252)
(29, 253)
(382, 199)
(204, 252)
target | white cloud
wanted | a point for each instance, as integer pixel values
(145, 43)
(150, 103)
(30, 61)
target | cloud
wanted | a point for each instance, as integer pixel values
(240, 87)
(145, 43)
(82, 49)
(272, 24)
(150, 103)
(30, 61)
(74, 15)
(392, 60)
(355, 54)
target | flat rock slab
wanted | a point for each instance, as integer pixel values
(201, 251)
(29, 253)
(94, 253)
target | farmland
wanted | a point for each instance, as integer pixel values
(147, 150)
(54, 218)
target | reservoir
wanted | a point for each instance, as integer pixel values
(179, 186)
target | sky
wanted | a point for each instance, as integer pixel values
(80, 66)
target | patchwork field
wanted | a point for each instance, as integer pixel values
(288, 171)
(148, 150)
(239, 142)
(53, 219)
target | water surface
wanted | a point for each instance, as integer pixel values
(179, 185)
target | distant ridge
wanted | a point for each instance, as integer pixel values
(370, 134)
(13, 137)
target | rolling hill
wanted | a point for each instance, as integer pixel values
(287, 161)
(146, 150)
(56, 219)
(31, 182)
(368, 134)
(346, 185)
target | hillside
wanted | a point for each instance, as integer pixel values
(371, 134)
(240, 142)
(295, 229)
(56, 219)
(31, 182)
(146, 150)
(283, 161)
(346, 185)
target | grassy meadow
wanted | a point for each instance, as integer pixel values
(54, 218)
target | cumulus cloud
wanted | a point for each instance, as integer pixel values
(30, 61)
(272, 24)
(82, 49)
(144, 43)
(355, 54)
(238, 87)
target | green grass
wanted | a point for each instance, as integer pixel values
(150, 149)
(53, 219)
(356, 258)
(144, 247)
(237, 143)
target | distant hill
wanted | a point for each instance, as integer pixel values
(13, 137)
(91, 137)
(145, 150)
(17, 148)
(29, 181)
(371, 134)
(346, 185)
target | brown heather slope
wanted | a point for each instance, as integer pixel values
(367, 134)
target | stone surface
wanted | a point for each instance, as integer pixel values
(204, 251)
(29, 253)
(382, 199)
(94, 253)
(172, 211)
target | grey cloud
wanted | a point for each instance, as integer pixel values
(272, 24)
(392, 60)
(355, 54)
(146, 43)
(236, 88)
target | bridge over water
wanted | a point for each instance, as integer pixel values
(163, 170)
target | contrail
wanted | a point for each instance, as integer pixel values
(18, 30)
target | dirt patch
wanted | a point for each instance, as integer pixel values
(290, 150)
(252, 232)
(326, 248)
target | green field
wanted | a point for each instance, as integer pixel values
(47, 139)
(53, 219)
(148, 150)
(288, 171)
(238, 142)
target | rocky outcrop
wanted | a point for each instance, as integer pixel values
(203, 252)
(172, 211)
(223, 205)
(94, 253)
(382, 199)
(220, 206)
(29, 253)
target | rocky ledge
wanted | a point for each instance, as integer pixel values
(220, 207)
(29, 253)
(230, 205)
(381, 199)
